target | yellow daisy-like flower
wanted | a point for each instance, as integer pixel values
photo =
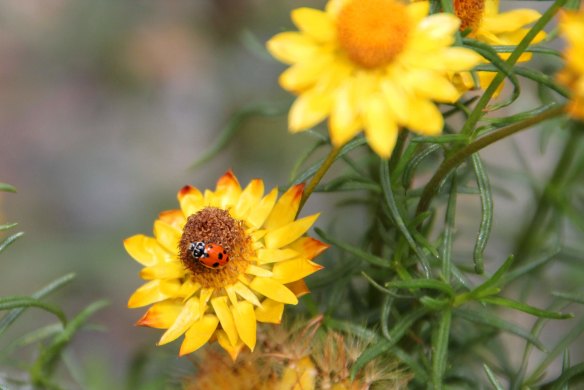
(254, 260)
(482, 20)
(572, 76)
(375, 65)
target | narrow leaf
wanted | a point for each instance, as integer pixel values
(492, 378)
(486, 213)
(368, 257)
(492, 320)
(440, 348)
(511, 304)
(11, 316)
(17, 302)
(9, 240)
(7, 188)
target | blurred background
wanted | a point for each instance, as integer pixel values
(104, 107)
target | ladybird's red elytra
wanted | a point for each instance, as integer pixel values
(209, 255)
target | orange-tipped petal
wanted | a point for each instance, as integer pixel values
(228, 189)
(249, 198)
(293, 270)
(198, 334)
(145, 250)
(175, 218)
(309, 247)
(190, 200)
(270, 312)
(151, 292)
(286, 208)
(289, 233)
(161, 315)
(274, 290)
(187, 317)
(299, 288)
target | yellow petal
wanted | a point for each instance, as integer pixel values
(162, 314)
(397, 99)
(344, 123)
(454, 59)
(285, 209)
(309, 109)
(145, 250)
(187, 317)
(299, 288)
(190, 200)
(258, 271)
(174, 218)
(188, 288)
(434, 86)
(417, 11)
(225, 318)
(266, 256)
(270, 312)
(292, 47)
(151, 292)
(274, 290)
(258, 215)
(289, 233)
(292, 270)
(228, 190)
(167, 235)
(231, 294)
(204, 296)
(510, 21)
(232, 350)
(439, 28)
(304, 75)
(198, 334)
(380, 127)
(428, 119)
(308, 247)
(163, 271)
(249, 199)
(245, 321)
(315, 23)
(246, 293)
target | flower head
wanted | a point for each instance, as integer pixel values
(372, 65)
(252, 261)
(482, 21)
(572, 76)
(302, 359)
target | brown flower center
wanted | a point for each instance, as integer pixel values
(470, 13)
(373, 32)
(215, 226)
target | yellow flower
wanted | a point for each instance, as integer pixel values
(372, 65)
(268, 258)
(483, 22)
(572, 76)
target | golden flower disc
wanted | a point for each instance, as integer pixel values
(213, 225)
(373, 32)
(470, 13)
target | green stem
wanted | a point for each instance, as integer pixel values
(461, 155)
(332, 156)
(479, 110)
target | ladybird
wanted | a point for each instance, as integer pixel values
(209, 255)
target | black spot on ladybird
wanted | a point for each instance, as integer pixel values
(220, 256)
(215, 265)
